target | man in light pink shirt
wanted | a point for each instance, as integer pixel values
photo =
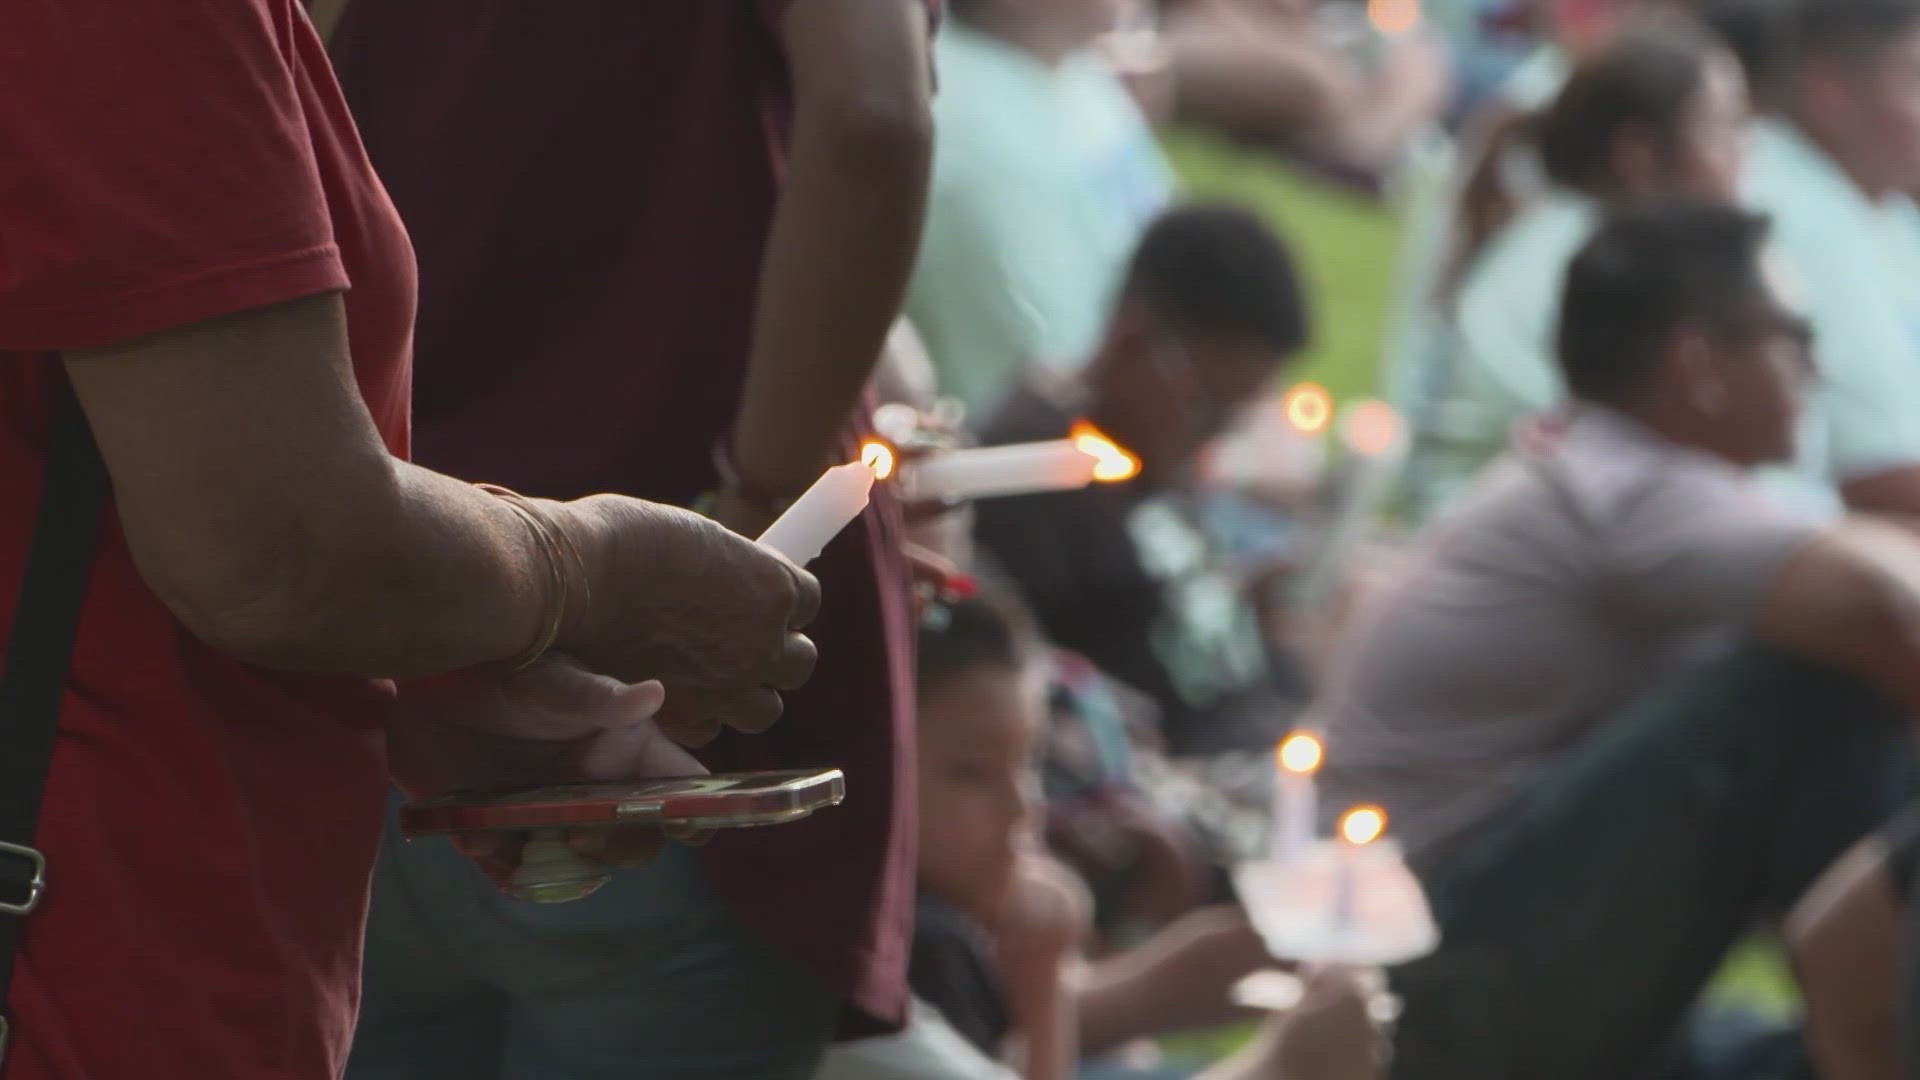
(1600, 790)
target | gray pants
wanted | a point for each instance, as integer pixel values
(1579, 927)
(648, 979)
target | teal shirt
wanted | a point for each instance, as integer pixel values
(1844, 264)
(1044, 179)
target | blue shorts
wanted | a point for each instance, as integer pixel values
(650, 977)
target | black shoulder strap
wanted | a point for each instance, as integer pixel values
(33, 675)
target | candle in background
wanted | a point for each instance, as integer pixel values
(1295, 805)
(954, 476)
(1359, 827)
(1309, 408)
(830, 505)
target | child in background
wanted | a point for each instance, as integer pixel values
(995, 966)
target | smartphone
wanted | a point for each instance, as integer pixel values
(724, 801)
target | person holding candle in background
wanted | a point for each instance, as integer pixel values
(1208, 316)
(1000, 925)
(660, 246)
(1600, 792)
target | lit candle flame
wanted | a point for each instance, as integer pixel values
(877, 456)
(1373, 428)
(1308, 408)
(1111, 462)
(1299, 753)
(1393, 16)
(1363, 825)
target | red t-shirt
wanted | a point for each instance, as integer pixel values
(589, 185)
(209, 827)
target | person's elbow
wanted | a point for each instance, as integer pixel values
(1849, 598)
(884, 134)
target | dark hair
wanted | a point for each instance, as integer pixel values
(1649, 271)
(990, 627)
(1647, 75)
(1215, 268)
(1847, 29)
(1756, 31)
(1646, 78)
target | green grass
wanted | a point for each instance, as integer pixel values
(1346, 245)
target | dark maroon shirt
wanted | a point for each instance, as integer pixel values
(589, 186)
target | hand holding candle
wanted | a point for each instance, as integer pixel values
(829, 506)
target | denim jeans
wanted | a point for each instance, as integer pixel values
(1580, 925)
(647, 979)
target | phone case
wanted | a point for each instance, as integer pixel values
(731, 800)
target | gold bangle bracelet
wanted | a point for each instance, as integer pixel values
(550, 546)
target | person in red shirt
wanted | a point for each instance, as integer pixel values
(661, 243)
(193, 245)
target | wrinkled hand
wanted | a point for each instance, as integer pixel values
(553, 723)
(1330, 1035)
(709, 613)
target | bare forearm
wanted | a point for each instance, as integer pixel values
(1049, 1031)
(834, 277)
(1177, 981)
(418, 575)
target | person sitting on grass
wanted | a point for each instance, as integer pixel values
(996, 974)
(1600, 789)
(1210, 314)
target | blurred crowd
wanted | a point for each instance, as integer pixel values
(1599, 580)
(1508, 595)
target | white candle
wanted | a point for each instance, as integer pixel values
(964, 475)
(1068, 464)
(830, 505)
(1359, 827)
(1295, 804)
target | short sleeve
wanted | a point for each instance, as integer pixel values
(1698, 544)
(158, 169)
